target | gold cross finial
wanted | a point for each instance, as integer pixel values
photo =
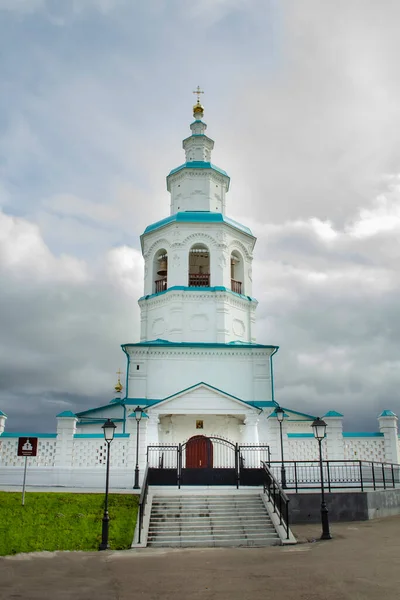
(198, 92)
(118, 387)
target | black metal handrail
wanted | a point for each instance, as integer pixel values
(338, 474)
(142, 501)
(277, 497)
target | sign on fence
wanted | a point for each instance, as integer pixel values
(27, 446)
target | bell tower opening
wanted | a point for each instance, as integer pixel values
(160, 271)
(237, 273)
(199, 266)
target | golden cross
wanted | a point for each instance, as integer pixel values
(198, 92)
(119, 373)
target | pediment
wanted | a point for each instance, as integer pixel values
(202, 399)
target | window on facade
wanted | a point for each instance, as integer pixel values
(237, 273)
(160, 271)
(199, 266)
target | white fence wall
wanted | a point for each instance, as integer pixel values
(69, 459)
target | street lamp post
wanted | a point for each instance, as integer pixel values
(319, 429)
(280, 415)
(108, 430)
(138, 415)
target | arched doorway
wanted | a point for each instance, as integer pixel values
(199, 452)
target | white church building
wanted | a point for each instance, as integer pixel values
(202, 381)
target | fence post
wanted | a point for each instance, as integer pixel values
(373, 474)
(237, 468)
(179, 457)
(328, 475)
(393, 482)
(361, 477)
(383, 476)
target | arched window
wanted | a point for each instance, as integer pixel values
(237, 273)
(160, 270)
(199, 266)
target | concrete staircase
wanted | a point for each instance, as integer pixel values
(210, 520)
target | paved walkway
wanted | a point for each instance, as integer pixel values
(362, 562)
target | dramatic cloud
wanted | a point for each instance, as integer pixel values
(303, 101)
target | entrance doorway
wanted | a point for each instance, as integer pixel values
(199, 453)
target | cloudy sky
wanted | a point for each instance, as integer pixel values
(303, 101)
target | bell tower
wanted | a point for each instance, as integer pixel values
(197, 284)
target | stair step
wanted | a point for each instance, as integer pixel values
(210, 521)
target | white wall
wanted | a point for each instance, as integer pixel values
(244, 373)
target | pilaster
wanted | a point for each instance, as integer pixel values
(334, 443)
(66, 429)
(388, 426)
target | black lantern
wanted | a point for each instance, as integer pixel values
(319, 430)
(108, 429)
(138, 415)
(280, 415)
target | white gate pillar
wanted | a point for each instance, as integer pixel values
(334, 442)
(3, 418)
(388, 426)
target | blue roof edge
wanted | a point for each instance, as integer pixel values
(185, 288)
(163, 343)
(197, 216)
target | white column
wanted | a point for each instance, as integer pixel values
(3, 418)
(66, 429)
(333, 445)
(250, 429)
(388, 426)
(152, 429)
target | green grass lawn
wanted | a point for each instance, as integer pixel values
(57, 521)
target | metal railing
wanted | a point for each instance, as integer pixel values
(161, 285)
(277, 497)
(338, 474)
(142, 502)
(199, 280)
(251, 455)
(236, 286)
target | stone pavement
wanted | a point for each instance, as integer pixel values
(362, 562)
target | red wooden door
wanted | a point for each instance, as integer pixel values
(199, 453)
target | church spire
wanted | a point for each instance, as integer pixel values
(198, 185)
(198, 109)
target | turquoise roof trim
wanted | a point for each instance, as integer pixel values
(300, 435)
(66, 413)
(97, 421)
(333, 413)
(349, 434)
(104, 406)
(183, 288)
(197, 217)
(387, 413)
(2, 414)
(99, 435)
(141, 401)
(17, 434)
(162, 343)
(198, 164)
(296, 412)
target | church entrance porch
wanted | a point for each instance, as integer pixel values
(206, 460)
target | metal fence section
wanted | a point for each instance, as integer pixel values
(162, 457)
(252, 455)
(356, 474)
